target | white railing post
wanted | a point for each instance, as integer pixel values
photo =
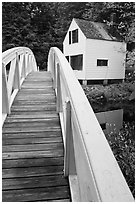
(28, 64)
(16, 84)
(5, 98)
(23, 74)
(69, 158)
(54, 70)
(59, 108)
(26, 61)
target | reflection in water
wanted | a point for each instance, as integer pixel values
(110, 121)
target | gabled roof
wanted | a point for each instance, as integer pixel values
(95, 30)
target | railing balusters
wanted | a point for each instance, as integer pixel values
(19, 68)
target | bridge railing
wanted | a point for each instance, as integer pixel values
(17, 63)
(88, 156)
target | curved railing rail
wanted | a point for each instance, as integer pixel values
(20, 62)
(88, 156)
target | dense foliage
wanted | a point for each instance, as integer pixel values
(123, 147)
(40, 25)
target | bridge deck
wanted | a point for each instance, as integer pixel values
(33, 146)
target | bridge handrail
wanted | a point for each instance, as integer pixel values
(88, 155)
(22, 62)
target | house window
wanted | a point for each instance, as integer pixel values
(69, 37)
(102, 62)
(75, 36)
(76, 62)
(67, 57)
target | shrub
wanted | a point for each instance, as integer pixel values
(123, 147)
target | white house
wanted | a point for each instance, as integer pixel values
(95, 51)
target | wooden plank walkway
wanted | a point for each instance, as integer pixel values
(33, 146)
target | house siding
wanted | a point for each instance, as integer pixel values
(76, 48)
(114, 52)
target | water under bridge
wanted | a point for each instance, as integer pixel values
(53, 146)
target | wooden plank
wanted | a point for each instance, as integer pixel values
(32, 171)
(30, 129)
(35, 101)
(36, 194)
(32, 123)
(34, 108)
(30, 120)
(32, 162)
(33, 92)
(34, 86)
(18, 117)
(61, 200)
(47, 97)
(34, 182)
(40, 134)
(31, 147)
(25, 141)
(36, 91)
(32, 154)
(35, 113)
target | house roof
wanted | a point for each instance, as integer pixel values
(95, 30)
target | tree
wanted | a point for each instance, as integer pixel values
(40, 25)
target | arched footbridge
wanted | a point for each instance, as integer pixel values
(53, 146)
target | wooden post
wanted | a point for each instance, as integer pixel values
(84, 82)
(5, 98)
(16, 83)
(105, 82)
(69, 158)
(58, 90)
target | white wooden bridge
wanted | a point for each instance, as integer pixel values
(53, 146)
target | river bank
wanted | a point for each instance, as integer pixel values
(113, 92)
(111, 97)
